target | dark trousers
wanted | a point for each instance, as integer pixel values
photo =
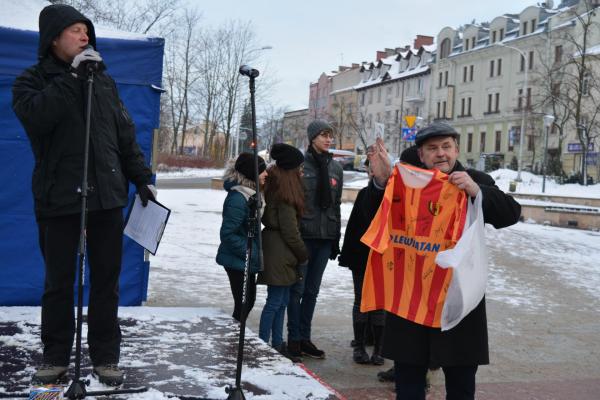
(59, 239)
(411, 380)
(304, 293)
(236, 282)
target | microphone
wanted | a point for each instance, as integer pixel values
(249, 71)
(92, 66)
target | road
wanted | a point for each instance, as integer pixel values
(543, 310)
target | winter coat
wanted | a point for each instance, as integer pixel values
(234, 228)
(50, 103)
(283, 247)
(355, 253)
(467, 343)
(317, 223)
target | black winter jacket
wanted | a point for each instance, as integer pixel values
(355, 253)
(467, 343)
(50, 103)
(317, 223)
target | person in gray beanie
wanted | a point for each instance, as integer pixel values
(320, 229)
(49, 99)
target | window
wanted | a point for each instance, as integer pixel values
(467, 45)
(438, 110)
(440, 80)
(491, 68)
(472, 42)
(396, 119)
(469, 106)
(530, 143)
(520, 99)
(524, 30)
(558, 50)
(482, 142)
(530, 66)
(465, 73)
(397, 89)
(489, 104)
(471, 73)
(370, 97)
(379, 95)
(445, 78)
(498, 141)
(388, 92)
(499, 67)
(420, 86)
(443, 109)
(501, 33)
(418, 112)
(494, 37)
(528, 104)
(362, 99)
(462, 106)
(522, 67)
(445, 48)
(497, 109)
(469, 143)
(533, 25)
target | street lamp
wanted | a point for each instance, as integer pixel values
(522, 135)
(548, 120)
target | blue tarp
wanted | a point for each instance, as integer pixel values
(135, 65)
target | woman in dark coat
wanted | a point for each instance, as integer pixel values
(283, 247)
(354, 255)
(240, 187)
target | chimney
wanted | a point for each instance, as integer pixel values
(343, 68)
(390, 52)
(422, 40)
(380, 54)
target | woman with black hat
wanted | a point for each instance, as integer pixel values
(240, 186)
(283, 247)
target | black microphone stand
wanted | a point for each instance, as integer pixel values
(77, 389)
(255, 204)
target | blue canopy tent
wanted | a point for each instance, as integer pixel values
(135, 62)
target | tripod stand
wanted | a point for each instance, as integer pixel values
(254, 203)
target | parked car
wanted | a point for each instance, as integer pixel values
(344, 157)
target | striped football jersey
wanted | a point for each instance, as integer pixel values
(421, 214)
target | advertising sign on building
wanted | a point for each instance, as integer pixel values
(576, 147)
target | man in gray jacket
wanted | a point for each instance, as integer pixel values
(320, 228)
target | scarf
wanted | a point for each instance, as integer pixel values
(323, 184)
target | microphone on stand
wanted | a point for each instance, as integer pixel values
(249, 71)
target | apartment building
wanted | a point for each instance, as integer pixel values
(343, 107)
(490, 81)
(294, 128)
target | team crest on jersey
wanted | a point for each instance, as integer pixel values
(333, 182)
(434, 208)
(390, 265)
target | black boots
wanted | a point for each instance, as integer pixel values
(359, 354)
(376, 358)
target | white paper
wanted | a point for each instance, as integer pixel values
(146, 224)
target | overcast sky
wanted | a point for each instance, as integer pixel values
(314, 36)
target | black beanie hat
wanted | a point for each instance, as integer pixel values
(54, 19)
(245, 165)
(286, 156)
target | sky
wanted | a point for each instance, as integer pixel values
(311, 36)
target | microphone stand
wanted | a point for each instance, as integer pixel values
(236, 393)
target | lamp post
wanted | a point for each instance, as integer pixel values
(522, 134)
(548, 120)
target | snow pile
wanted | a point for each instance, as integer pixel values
(191, 173)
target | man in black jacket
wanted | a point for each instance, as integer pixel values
(49, 99)
(413, 347)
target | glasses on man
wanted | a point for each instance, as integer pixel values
(326, 134)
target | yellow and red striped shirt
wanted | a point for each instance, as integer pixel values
(411, 226)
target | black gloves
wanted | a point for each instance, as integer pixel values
(146, 192)
(335, 249)
(81, 62)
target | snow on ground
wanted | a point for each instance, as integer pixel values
(186, 259)
(191, 173)
(530, 184)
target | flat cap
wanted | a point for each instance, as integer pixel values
(434, 130)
